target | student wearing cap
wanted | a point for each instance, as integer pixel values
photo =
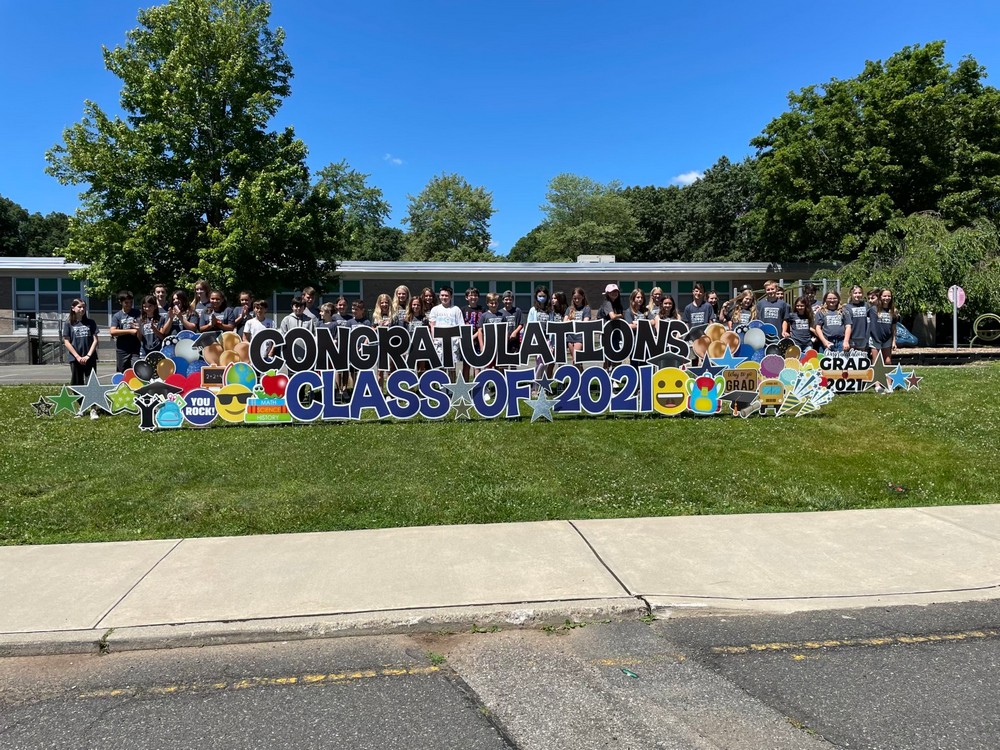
(612, 308)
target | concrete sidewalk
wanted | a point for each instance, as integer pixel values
(70, 598)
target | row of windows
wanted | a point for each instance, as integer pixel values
(48, 299)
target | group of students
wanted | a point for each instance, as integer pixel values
(859, 324)
(866, 322)
(139, 330)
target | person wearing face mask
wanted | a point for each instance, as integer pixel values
(540, 312)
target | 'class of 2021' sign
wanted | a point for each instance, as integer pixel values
(299, 376)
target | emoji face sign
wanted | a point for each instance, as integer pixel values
(231, 402)
(669, 390)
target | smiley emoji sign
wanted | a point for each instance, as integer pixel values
(231, 402)
(669, 390)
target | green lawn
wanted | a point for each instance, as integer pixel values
(66, 479)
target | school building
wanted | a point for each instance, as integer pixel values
(35, 293)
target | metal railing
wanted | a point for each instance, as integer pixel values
(31, 340)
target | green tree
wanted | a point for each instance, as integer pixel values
(24, 234)
(908, 135)
(449, 220)
(919, 257)
(191, 182)
(13, 217)
(528, 248)
(584, 217)
(704, 221)
(365, 211)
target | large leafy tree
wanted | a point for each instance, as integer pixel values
(918, 257)
(449, 220)
(365, 211)
(582, 217)
(24, 234)
(908, 135)
(704, 221)
(191, 182)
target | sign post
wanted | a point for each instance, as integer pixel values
(956, 295)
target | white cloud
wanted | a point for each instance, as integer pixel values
(394, 160)
(687, 178)
(494, 244)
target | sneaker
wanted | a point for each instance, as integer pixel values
(93, 413)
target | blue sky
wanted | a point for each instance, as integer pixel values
(506, 94)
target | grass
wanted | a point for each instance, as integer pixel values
(65, 479)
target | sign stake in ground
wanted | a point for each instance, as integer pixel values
(956, 295)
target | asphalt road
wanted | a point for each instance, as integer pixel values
(912, 677)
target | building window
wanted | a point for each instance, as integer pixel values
(44, 299)
(281, 301)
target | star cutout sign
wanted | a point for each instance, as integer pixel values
(729, 360)
(65, 401)
(897, 379)
(462, 411)
(913, 380)
(705, 370)
(879, 371)
(94, 394)
(541, 406)
(42, 407)
(544, 383)
(461, 390)
(122, 398)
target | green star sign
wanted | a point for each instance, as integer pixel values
(65, 401)
(122, 399)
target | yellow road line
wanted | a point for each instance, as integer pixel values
(629, 661)
(252, 682)
(855, 642)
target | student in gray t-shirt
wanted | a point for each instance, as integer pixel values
(856, 316)
(772, 309)
(832, 325)
(123, 327)
(80, 339)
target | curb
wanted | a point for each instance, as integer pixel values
(445, 620)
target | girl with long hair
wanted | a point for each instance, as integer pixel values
(833, 328)
(744, 310)
(800, 324)
(636, 309)
(151, 325)
(578, 309)
(540, 312)
(400, 301)
(382, 315)
(180, 315)
(882, 319)
(80, 339)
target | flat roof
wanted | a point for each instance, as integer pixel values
(407, 269)
(403, 269)
(40, 263)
